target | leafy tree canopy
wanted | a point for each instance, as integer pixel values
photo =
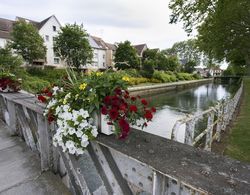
(73, 46)
(126, 56)
(223, 26)
(8, 62)
(27, 42)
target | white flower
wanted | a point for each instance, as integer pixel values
(84, 141)
(94, 131)
(71, 131)
(79, 133)
(55, 89)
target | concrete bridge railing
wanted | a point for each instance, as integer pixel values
(217, 119)
(142, 164)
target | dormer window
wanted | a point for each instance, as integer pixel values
(54, 28)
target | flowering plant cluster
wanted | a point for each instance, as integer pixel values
(74, 124)
(8, 82)
(123, 110)
(73, 105)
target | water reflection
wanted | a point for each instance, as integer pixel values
(173, 105)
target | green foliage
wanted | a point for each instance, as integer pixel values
(27, 42)
(238, 144)
(73, 46)
(148, 68)
(8, 62)
(223, 26)
(48, 74)
(140, 80)
(164, 77)
(33, 84)
(184, 76)
(126, 57)
(189, 67)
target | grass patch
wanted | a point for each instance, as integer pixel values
(238, 144)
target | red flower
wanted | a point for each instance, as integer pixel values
(133, 98)
(144, 102)
(153, 109)
(113, 113)
(123, 107)
(124, 125)
(49, 94)
(126, 92)
(46, 90)
(148, 115)
(107, 100)
(104, 110)
(133, 108)
(126, 96)
(41, 98)
(144, 125)
(118, 91)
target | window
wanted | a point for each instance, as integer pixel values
(54, 28)
(56, 60)
(103, 56)
(103, 64)
(47, 37)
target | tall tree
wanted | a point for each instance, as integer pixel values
(9, 62)
(186, 51)
(223, 26)
(73, 46)
(126, 56)
(27, 42)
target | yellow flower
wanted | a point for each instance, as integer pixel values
(99, 74)
(70, 109)
(82, 86)
(125, 78)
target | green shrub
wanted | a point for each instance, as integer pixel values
(33, 84)
(184, 76)
(196, 76)
(48, 73)
(162, 76)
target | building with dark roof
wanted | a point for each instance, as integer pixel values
(140, 49)
(47, 28)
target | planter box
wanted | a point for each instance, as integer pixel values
(100, 121)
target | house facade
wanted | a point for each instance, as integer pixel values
(103, 53)
(47, 29)
(140, 49)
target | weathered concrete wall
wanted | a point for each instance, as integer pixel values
(142, 164)
(160, 88)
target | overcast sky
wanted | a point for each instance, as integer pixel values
(139, 21)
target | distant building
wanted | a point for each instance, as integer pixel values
(140, 49)
(47, 28)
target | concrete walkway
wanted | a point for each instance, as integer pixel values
(20, 172)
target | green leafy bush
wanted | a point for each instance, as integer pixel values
(184, 76)
(33, 84)
(164, 77)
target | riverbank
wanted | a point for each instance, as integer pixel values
(238, 142)
(160, 88)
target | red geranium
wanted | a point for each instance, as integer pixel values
(113, 113)
(133, 108)
(153, 109)
(148, 115)
(104, 110)
(41, 98)
(133, 98)
(51, 117)
(144, 102)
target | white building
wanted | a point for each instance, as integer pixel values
(47, 28)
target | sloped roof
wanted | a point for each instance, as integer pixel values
(99, 42)
(6, 27)
(111, 46)
(139, 48)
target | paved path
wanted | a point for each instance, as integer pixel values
(20, 172)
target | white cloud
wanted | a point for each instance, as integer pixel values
(139, 21)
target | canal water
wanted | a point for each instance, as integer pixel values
(174, 105)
